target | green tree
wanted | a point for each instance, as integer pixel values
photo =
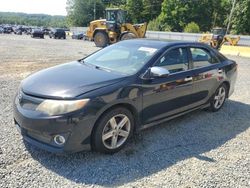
(81, 12)
(32, 19)
(135, 8)
(155, 25)
(115, 3)
(151, 9)
(206, 13)
(221, 11)
(192, 27)
(241, 17)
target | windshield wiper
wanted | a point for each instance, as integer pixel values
(95, 66)
(102, 68)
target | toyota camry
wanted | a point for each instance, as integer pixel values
(100, 101)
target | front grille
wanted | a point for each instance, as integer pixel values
(45, 138)
(28, 102)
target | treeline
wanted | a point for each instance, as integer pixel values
(32, 19)
(168, 15)
(188, 15)
(81, 12)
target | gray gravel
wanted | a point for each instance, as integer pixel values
(201, 149)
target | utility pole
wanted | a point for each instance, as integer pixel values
(230, 16)
(95, 10)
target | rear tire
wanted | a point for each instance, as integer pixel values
(101, 39)
(113, 131)
(219, 97)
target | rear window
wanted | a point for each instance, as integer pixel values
(60, 30)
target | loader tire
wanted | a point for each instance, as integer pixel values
(128, 36)
(101, 39)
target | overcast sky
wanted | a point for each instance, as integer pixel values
(52, 7)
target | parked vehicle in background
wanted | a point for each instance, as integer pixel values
(7, 30)
(57, 34)
(1, 30)
(78, 36)
(218, 37)
(46, 31)
(18, 32)
(99, 101)
(114, 28)
(37, 33)
(29, 31)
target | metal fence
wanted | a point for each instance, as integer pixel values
(78, 29)
(244, 40)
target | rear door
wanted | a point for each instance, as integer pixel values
(208, 70)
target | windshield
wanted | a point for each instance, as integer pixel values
(122, 58)
(116, 16)
(219, 31)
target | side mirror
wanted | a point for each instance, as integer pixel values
(155, 72)
(158, 72)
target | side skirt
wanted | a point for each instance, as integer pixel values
(171, 117)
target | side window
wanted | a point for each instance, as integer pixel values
(175, 60)
(202, 58)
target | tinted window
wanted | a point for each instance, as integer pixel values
(175, 60)
(202, 58)
(59, 30)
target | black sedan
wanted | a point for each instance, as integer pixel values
(37, 33)
(99, 102)
(79, 36)
(57, 34)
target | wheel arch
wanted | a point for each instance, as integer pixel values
(126, 32)
(127, 106)
(99, 30)
(123, 33)
(228, 86)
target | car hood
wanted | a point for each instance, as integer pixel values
(68, 81)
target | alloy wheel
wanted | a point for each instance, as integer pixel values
(116, 131)
(219, 97)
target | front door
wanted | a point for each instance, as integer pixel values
(163, 97)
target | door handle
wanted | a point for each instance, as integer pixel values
(220, 71)
(187, 79)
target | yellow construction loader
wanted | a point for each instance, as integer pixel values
(218, 37)
(114, 28)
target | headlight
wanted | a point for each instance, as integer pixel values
(56, 107)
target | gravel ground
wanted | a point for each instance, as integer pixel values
(201, 149)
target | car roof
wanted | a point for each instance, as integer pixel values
(154, 43)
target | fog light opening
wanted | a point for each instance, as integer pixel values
(59, 140)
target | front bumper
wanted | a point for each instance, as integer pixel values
(39, 130)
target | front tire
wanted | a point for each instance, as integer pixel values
(101, 39)
(128, 36)
(113, 131)
(218, 99)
